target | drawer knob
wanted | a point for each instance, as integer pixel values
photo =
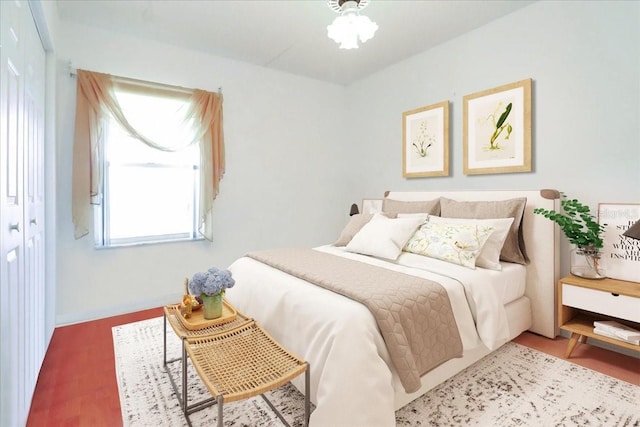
(615, 295)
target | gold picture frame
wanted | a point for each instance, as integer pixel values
(425, 141)
(497, 130)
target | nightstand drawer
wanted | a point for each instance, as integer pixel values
(621, 306)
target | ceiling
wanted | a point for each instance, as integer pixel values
(291, 35)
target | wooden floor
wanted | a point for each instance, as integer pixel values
(77, 383)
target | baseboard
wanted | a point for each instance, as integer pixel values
(605, 345)
(116, 310)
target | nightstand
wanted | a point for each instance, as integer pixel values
(581, 301)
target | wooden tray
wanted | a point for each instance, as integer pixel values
(197, 320)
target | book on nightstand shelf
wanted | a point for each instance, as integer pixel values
(613, 329)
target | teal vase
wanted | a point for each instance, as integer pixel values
(212, 306)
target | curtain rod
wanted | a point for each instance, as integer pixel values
(120, 79)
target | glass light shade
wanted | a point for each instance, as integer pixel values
(347, 28)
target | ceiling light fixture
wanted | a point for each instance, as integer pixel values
(350, 26)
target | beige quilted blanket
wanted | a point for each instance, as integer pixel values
(413, 314)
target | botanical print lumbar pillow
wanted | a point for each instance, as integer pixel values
(384, 237)
(514, 249)
(455, 243)
(489, 256)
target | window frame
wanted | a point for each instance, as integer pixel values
(102, 218)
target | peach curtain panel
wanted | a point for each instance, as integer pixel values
(96, 102)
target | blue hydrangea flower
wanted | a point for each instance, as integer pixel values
(211, 282)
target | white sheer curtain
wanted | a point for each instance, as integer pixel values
(96, 101)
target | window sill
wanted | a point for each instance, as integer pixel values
(149, 242)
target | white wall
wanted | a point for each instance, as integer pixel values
(584, 59)
(283, 185)
(294, 168)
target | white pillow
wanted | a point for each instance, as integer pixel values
(489, 256)
(384, 237)
(422, 216)
(456, 243)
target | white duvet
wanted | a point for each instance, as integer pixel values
(353, 381)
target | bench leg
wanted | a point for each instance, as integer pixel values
(220, 403)
(307, 400)
(164, 342)
(185, 399)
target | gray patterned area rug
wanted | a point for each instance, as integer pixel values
(513, 386)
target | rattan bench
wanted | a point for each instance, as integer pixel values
(244, 362)
(171, 314)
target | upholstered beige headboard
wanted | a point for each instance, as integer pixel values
(541, 239)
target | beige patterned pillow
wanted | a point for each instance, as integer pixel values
(456, 243)
(356, 222)
(431, 207)
(513, 249)
(489, 256)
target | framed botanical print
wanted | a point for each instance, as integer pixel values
(497, 130)
(425, 141)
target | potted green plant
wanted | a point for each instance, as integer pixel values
(581, 228)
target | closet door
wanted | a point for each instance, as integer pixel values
(22, 323)
(11, 205)
(32, 313)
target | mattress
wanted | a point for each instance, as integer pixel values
(510, 284)
(350, 364)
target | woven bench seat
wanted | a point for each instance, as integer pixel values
(244, 362)
(171, 314)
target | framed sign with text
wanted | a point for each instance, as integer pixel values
(621, 254)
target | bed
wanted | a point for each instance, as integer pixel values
(353, 379)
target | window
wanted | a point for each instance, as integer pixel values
(165, 118)
(148, 195)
